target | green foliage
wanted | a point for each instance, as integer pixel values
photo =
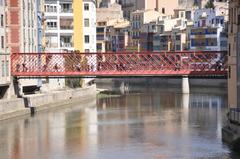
(73, 82)
(210, 4)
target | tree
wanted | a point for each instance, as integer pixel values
(210, 4)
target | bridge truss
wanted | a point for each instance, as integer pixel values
(119, 64)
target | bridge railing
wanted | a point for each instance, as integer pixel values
(93, 64)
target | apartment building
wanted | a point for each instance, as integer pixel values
(70, 26)
(59, 25)
(113, 36)
(172, 35)
(234, 54)
(22, 34)
(138, 19)
(148, 32)
(120, 35)
(4, 54)
(209, 31)
(89, 29)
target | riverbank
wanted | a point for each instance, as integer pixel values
(230, 135)
(11, 108)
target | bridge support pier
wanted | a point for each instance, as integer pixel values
(16, 87)
(185, 85)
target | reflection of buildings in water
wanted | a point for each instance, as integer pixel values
(75, 132)
(21, 141)
(207, 111)
(185, 110)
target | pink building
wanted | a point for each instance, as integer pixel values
(163, 6)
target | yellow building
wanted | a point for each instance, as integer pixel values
(78, 24)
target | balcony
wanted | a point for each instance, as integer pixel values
(66, 8)
(66, 24)
(66, 44)
(51, 45)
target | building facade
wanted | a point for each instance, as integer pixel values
(138, 19)
(59, 25)
(70, 26)
(89, 27)
(22, 34)
(209, 32)
(234, 54)
(171, 35)
(4, 54)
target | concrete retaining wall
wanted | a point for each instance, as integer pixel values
(15, 107)
(60, 98)
(12, 107)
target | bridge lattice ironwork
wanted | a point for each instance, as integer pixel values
(119, 64)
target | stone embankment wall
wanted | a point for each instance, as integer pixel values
(15, 107)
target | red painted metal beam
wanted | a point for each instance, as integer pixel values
(119, 64)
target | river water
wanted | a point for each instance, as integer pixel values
(147, 123)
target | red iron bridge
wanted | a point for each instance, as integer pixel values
(119, 64)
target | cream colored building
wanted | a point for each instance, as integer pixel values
(167, 6)
(138, 19)
(234, 54)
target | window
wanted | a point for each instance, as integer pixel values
(182, 14)
(229, 49)
(178, 37)
(86, 6)
(3, 69)
(163, 10)
(86, 39)
(239, 19)
(66, 8)
(221, 21)
(229, 72)
(87, 50)
(99, 47)
(2, 19)
(178, 47)
(86, 22)
(52, 25)
(7, 68)
(2, 42)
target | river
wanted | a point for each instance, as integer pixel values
(145, 122)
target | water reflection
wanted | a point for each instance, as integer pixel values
(154, 124)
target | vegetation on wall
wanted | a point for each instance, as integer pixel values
(210, 4)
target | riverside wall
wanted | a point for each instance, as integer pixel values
(10, 108)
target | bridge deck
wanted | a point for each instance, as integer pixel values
(119, 64)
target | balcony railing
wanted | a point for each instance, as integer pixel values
(66, 44)
(234, 115)
(66, 10)
(66, 27)
(51, 28)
